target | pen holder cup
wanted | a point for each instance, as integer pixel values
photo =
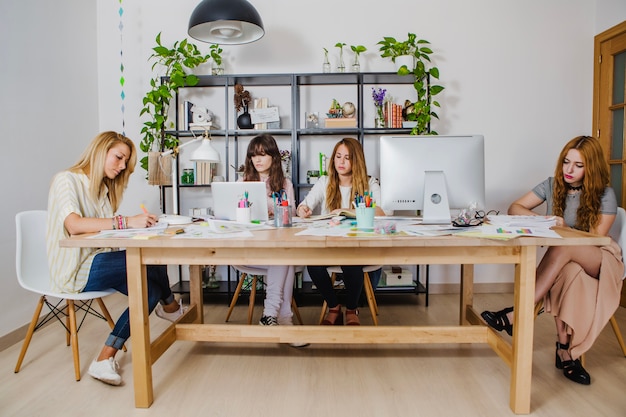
(365, 218)
(282, 216)
(243, 215)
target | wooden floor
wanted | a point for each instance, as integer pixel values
(193, 379)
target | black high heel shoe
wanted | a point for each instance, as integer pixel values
(498, 320)
(572, 369)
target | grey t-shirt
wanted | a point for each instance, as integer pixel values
(544, 191)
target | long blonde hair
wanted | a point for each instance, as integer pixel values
(595, 181)
(91, 163)
(360, 182)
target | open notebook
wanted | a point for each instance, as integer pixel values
(226, 196)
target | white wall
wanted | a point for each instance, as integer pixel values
(497, 60)
(48, 114)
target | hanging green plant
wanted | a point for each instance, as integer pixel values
(421, 110)
(176, 61)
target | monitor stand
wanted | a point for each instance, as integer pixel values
(436, 206)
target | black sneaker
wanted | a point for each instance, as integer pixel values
(268, 321)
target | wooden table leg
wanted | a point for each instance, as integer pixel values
(139, 328)
(523, 331)
(466, 293)
(195, 291)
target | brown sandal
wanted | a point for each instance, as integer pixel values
(352, 317)
(333, 316)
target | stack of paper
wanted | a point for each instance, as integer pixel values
(522, 221)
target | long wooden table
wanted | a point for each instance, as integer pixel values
(282, 247)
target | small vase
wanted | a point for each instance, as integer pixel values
(341, 67)
(356, 66)
(217, 69)
(326, 64)
(379, 123)
(244, 121)
(210, 279)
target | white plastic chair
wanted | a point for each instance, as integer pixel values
(367, 285)
(255, 273)
(31, 265)
(618, 233)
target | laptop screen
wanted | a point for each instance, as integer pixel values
(226, 197)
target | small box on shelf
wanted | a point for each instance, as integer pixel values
(340, 122)
(391, 279)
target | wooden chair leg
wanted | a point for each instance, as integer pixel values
(294, 307)
(618, 334)
(371, 300)
(74, 337)
(235, 295)
(333, 277)
(29, 333)
(107, 316)
(252, 299)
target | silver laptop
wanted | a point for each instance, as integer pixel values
(226, 196)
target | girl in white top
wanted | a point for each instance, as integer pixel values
(347, 176)
(263, 163)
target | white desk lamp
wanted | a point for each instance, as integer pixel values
(204, 153)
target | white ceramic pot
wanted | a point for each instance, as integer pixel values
(404, 60)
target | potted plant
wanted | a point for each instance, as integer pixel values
(176, 61)
(341, 67)
(357, 49)
(242, 99)
(216, 55)
(421, 110)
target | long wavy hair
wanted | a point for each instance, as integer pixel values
(265, 145)
(360, 182)
(595, 180)
(91, 163)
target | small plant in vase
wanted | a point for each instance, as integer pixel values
(358, 50)
(341, 67)
(242, 100)
(326, 64)
(216, 55)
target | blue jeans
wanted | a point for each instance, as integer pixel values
(108, 270)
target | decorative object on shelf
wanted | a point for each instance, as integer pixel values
(187, 177)
(422, 111)
(228, 22)
(176, 60)
(201, 116)
(378, 95)
(216, 55)
(242, 100)
(312, 176)
(211, 277)
(341, 67)
(336, 117)
(322, 164)
(326, 64)
(335, 111)
(357, 49)
(203, 153)
(285, 159)
(348, 110)
(312, 120)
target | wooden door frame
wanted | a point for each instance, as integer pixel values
(601, 125)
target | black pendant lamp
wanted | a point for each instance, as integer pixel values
(226, 22)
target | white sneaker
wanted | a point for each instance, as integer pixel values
(288, 321)
(160, 312)
(106, 371)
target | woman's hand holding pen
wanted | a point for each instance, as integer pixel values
(303, 211)
(141, 220)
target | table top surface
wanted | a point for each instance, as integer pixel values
(286, 238)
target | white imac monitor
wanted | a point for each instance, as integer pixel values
(433, 174)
